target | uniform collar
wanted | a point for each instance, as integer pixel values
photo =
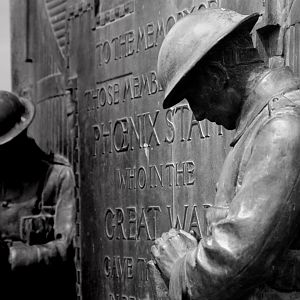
(273, 83)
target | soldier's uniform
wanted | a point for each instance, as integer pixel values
(260, 186)
(251, 247)
(37, 210)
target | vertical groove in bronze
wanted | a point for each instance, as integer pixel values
(28, 53)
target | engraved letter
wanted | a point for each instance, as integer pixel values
(145, 85)
(171, 179)
(190, 167)
(96, 137)
(106, 135)
(122, 43)
(107, 268)
(171, 125)
(132, 178)
(102, 96)
(150, 37)
(120, 226)
(142, 177)
(158, 174)
(160, 32)
(181, 108)
(143, 224)
(178, 224)
(122, 179)
(129, 267)
(155, 210)
(128, 89)
(154, 82)
(106, 52)
(179, 172)
(132, 220)
(140, 40)
(193, 123)
(170, 22)
(109, 226)
(110, 98)
(136, 87)
(138, 133)
(153, 130)
(195, 220)
(130, 40)
(115, 41)
(116, 93)
(124, 146)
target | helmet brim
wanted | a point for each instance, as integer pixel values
(25, 121)
(174, 94)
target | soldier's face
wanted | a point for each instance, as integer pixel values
(222, 108)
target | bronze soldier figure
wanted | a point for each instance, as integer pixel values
(250, 250)
(37, 211)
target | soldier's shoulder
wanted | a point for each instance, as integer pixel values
(292, 96)
(283, 126)
(287, 104)
(59, 172)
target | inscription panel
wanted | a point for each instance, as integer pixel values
(145, 169)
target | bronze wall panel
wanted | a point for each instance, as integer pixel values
(143, 169)
(244, 6)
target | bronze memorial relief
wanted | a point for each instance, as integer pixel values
(181, 122)
(250, 248)
(137, 167)
(141, 162)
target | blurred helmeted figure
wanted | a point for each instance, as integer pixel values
(37, 211)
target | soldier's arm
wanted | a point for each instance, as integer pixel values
(263, 219)
(64, 227)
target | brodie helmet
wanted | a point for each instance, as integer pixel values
(16, 114)
(189, 40)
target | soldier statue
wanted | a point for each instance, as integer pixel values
(250, 249)
(37, 211)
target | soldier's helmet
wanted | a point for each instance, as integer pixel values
(16, 114)
(189, 40)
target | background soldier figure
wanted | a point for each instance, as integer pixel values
(37, 211)
(209, 59)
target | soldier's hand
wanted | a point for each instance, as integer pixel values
(170, 247)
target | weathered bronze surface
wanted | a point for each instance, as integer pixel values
(37, 211)
(90, 68)
(250, 250)
(139, 161)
